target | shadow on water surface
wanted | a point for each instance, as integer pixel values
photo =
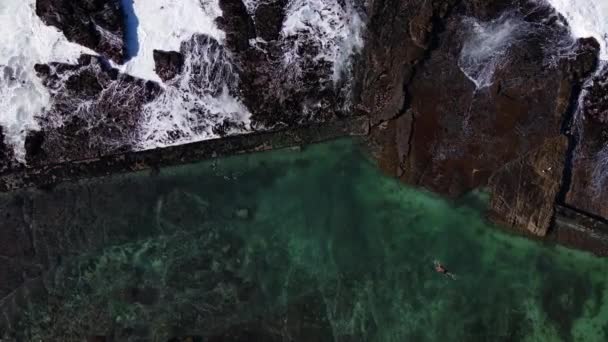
(309, 245)
(131, 38)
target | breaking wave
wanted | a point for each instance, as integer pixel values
(198, 104)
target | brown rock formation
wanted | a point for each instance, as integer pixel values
(524, 189)
(456, 130)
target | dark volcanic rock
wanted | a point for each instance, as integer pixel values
(293, 93)
(237, 24)
(168, 64)
(96, 110)
(296, 76)
(268, 19)
(287, 99)
(97, 24)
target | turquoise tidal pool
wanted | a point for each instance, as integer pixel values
(311, 244)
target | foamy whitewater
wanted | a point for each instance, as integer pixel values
(193, 104)
(335, 28)
(587, 18)
(24, 41)
(164, 25)
(197, 100)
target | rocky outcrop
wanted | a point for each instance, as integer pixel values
(523, 190)
(96, 110)
(237, 24)
(460, 126)
(96, 24)
(168, 64)
(268, 19)
(297, 78)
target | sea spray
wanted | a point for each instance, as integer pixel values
(487, 44)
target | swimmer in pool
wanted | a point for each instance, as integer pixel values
(439, 268)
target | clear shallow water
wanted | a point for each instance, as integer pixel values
(311, 245)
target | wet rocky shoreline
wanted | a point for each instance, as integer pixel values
(569, 226)
(419, 91)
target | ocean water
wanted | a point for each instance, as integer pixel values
(311, 244)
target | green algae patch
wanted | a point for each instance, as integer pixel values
(310, 244)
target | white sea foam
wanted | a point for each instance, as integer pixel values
(586, 18)
(164, 25)
(197, 101)
(251, 6)
(334, 29)
(486, 46)
(24, 41)
(189, 109)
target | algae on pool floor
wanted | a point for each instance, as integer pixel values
(290, 245)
